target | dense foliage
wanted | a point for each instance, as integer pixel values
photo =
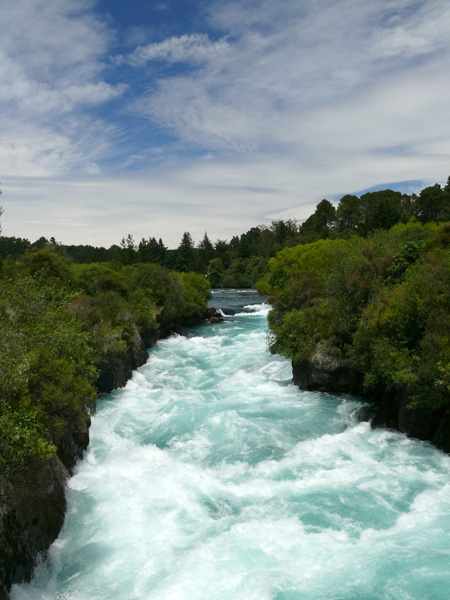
(60, 324)
(383, 301)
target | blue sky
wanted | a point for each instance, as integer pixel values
(155, 118)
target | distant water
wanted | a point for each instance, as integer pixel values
(212, 477)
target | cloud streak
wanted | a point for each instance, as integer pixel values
(194, 48)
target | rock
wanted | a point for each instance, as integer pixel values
(118, 370)
(73, 443)
(3, 593)
(441, 435)
(327, 371)
(32, 513)
(214, 316)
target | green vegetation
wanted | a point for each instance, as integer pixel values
(382, 301)
(61, 324)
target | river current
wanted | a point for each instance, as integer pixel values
(210, 476)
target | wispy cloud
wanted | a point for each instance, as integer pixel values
(398, 42)
(51, 62)
(194, 48)
(287, 66)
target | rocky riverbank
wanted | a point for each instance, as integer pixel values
(33, 505)
(328, 371)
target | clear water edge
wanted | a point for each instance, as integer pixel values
(210, 475)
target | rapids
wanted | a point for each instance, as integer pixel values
(211, 476)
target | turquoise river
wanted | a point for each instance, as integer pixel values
(210, 476)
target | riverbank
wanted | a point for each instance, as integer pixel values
(33, 504)
(389, 408)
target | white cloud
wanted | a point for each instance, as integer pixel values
(51, 60)
(316, 83)
(196, 48)
(397, 41)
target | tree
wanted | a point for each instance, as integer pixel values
(185, 253)
(128, 247)
(349, 212)
(382, 209)
(244, 250)
(321, 221)
(431, 203)
(206, 250)
(221, 246)
(215, 272)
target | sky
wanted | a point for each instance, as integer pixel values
(153, 118)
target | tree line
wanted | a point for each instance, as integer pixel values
(241, 261)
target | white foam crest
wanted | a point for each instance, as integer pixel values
(256, 310)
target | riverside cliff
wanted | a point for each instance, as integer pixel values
(328, 371)
(370, 316)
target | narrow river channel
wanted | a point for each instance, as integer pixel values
(210, 476)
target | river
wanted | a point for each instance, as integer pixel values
(210, 476)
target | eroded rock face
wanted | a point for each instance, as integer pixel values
(214, 316)
(33, 507)
(73, 443)
(327, 371)
(32, 513)
(3, 593)
(118, 370)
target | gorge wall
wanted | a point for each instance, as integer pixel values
(327, 371)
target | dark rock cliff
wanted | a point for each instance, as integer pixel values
(31, 515)
(328, 371)
(117, 370)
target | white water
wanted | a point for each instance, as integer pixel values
(211, 476)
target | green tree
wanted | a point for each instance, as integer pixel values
(321, 221)
(381, 209)
(215, 272)
(128, 250)
(349, 214)
(206, 251)
(185, 254)
(431, 204)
